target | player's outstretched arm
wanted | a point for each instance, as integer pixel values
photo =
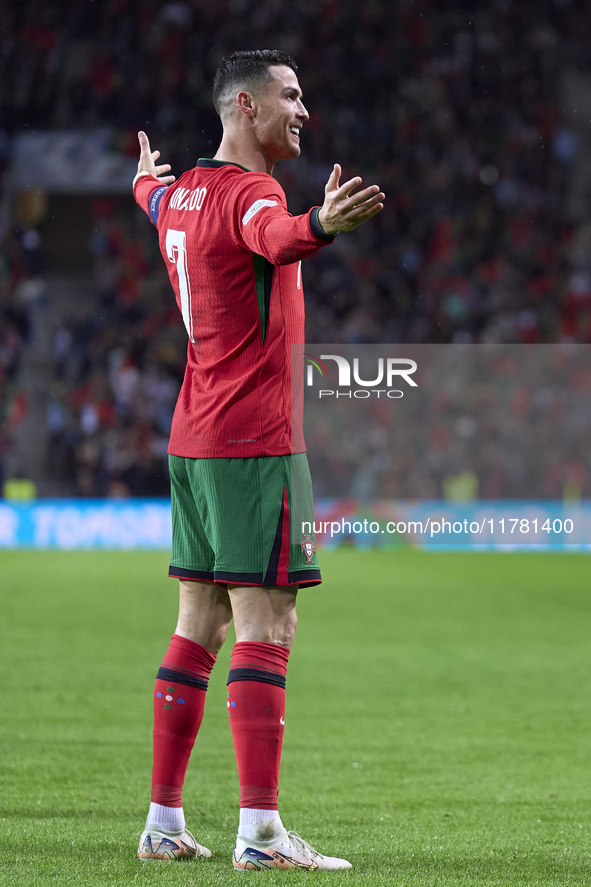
(147, 161)
(344, 210)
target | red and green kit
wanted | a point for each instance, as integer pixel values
(233, 254)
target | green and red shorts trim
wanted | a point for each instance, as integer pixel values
(241, 521)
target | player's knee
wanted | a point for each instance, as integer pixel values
(285, 632)
(218, 638)
(280, 631)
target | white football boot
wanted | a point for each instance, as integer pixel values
(158, 844)
(287, 851)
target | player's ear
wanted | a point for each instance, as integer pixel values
(245, 103)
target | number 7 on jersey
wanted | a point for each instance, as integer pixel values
(176, 250)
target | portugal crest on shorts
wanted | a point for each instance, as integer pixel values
(308, 548)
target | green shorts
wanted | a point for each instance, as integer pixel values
(241, 521)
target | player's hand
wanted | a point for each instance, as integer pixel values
(344, 210)
(147, 162)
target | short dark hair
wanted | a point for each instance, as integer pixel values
(247, 68)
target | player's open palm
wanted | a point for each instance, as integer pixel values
(344, 208)
(147, 161)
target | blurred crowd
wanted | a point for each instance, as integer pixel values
(485, 421)
(117, 367)
(17, 268)
(455, 108)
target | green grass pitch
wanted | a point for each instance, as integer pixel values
(438, 721)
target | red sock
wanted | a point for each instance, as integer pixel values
(256, 705)
(179, 699)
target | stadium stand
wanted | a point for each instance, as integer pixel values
(463, 112)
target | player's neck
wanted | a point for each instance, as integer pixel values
(250, 156)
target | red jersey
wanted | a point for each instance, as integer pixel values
(233, 254)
